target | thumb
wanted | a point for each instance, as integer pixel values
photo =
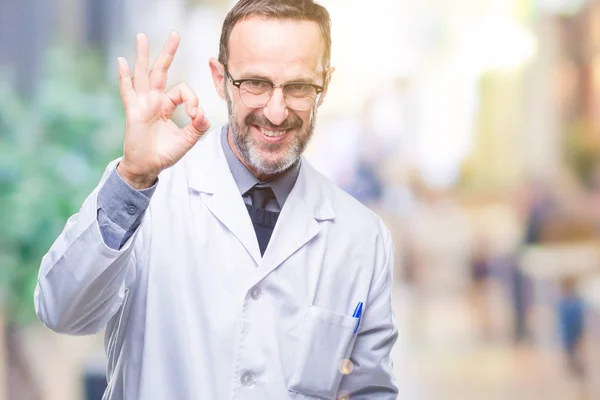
(198, 125)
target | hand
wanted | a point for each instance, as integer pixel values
(152, 141)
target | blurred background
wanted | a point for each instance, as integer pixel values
(471, 126)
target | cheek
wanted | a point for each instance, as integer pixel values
(241, 115)
(240, 111)
(306, 117)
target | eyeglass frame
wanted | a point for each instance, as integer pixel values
(238, 82)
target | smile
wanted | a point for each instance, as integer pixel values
(272, 133)
(269, 135)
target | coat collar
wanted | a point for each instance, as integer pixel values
(308, 203)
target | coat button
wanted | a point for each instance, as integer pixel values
(131, 210)
(247, 379)
(256, 293)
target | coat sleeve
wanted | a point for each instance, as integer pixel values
(82, 282)
(372, 377)
(121, 209)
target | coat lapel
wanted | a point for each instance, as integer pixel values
(211, 174)
(299, 221)
(307, 205)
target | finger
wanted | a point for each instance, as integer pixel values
(125, 82)
(140, 71)
(182, 93)
(158, 74)
(199, 120)
(197, 126)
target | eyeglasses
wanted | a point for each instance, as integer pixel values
(256, 93)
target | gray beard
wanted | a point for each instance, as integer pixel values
(251, 153)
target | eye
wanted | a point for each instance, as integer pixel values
(300, 89)
(256, 86)
(255, 83)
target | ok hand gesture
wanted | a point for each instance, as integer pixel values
(152, 141)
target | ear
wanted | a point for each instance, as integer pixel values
(217, 71)
(330, 71)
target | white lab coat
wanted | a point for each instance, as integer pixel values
(191, 309)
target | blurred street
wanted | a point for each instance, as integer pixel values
(442, 353)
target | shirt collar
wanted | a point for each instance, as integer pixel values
(245, 180)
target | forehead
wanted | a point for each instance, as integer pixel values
(276, 48)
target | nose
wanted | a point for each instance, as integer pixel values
(276, 111)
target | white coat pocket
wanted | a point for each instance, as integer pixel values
(325, 341)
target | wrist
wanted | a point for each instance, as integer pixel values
(136, 179)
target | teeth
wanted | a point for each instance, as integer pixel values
(271, 133)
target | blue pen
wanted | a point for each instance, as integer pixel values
(358, 314)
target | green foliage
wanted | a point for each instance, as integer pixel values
(582, 150)
(53, 150)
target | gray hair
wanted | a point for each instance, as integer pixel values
(298, 10)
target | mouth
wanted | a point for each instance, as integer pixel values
(269, 135)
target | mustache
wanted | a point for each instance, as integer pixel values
(291, 122)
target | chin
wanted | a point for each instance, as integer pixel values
(271, 166)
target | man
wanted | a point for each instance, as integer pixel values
(221, 263)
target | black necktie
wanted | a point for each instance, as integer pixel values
(261, 195)
(262, 220)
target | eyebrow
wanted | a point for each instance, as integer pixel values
(251, 75)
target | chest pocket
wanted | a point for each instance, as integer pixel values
(326, 339)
